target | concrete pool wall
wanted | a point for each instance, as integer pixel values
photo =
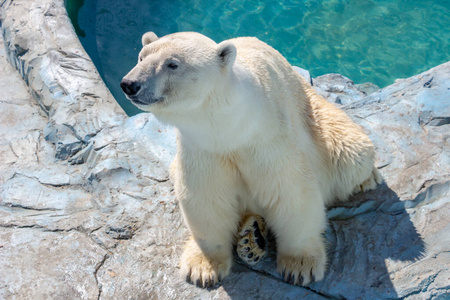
(87, 210)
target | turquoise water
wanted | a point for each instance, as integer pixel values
(365, 40)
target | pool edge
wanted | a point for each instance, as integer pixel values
(41, 43)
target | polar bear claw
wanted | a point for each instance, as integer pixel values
(201, 270)
(370, 183)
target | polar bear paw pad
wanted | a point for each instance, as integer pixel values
(251, 243)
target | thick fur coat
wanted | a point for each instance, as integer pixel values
(253, 137)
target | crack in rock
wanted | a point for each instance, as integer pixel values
(37, 226)
(268, 275)
(14, 205)
(21, 226)
(97, 267)
(121, 232)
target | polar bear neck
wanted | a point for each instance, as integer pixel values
(228, 119)
(242, 111)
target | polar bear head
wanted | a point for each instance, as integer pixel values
(177, 72)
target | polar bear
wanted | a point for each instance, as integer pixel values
(253, 138)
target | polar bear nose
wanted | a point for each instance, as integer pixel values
(129, 87)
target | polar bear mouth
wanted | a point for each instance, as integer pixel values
(138, 101)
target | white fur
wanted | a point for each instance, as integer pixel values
(254, 137)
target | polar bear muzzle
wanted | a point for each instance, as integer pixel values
(136, 94)
(129, 87)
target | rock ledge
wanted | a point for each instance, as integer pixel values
(86, 201)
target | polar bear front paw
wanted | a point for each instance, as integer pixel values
(200, 269)
(303, 269)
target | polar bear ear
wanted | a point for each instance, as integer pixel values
(227, 53)
(148, 38)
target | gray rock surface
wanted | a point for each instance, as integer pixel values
(87, 210)
(304, 73)
(341, 90)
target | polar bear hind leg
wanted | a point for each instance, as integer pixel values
(251, 239)
(370, 183)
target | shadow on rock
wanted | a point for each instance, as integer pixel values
(364, 239)
(369, 238)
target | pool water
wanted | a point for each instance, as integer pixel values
(365, 40)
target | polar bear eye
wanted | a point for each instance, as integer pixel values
(172, 66)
